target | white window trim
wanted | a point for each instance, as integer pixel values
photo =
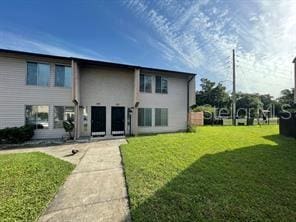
(54, 73)
(49, 77)
(53, 113)
(48, 120)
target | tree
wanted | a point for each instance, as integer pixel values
(212, 94)
(287, 97)
(248, 104)
(286, 100)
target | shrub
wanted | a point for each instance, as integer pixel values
(16, 134)
(69, 127)
(205, 109)
(191, 129)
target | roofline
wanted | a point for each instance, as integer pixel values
(95, 62)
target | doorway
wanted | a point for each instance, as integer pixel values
(98, 120)
(117, 121)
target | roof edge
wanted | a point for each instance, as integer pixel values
(98, 62)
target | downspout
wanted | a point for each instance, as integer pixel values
(188, 83)
(74, 97)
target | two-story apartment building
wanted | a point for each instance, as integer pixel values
(103, 98)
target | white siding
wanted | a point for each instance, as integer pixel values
(99, 86)
(15, 94)
(175, 100)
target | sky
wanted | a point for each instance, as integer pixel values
(184, 35)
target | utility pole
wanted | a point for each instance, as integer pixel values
(233, 90)
(294, 61)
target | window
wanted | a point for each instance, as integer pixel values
(62, 113)
(145, 83)
(38, 74)
(161, 84)
(145, 117)
(37, 116)
(63, 76)
(161, 116)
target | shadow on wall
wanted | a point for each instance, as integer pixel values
(251, 183)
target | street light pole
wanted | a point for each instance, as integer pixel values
(233, 90)
(294, 61)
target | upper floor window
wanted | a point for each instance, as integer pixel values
(161, 84)
(63, 76)
(145, 83)
(38, 74)
(145, 117)
(37, 116)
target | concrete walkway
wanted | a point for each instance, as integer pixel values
(95, 191)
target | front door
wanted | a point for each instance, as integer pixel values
(117, 124)
(98, 120)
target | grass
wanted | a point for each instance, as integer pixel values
(28, 181)
(216, 174)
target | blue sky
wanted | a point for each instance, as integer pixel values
(194, 36)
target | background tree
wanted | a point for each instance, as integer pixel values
(212, 94)
(248, 103)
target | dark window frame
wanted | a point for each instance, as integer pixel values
(144, 88)
(144, 123)
(163, 122)
(161, 89)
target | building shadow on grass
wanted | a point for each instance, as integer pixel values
(249, 184)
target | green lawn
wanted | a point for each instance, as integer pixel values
(28, 181)
(216, 174)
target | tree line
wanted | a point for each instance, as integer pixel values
(215, 95)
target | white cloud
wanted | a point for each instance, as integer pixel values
(201, 34)
(53, 46)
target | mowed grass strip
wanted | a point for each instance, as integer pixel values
(216, 174)
(28, 181)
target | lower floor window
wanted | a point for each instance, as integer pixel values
(144, 117)
(62, 113)
(161, 116)
(37, 116)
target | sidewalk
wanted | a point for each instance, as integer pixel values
(95, 191)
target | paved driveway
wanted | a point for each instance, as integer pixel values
(95, 191)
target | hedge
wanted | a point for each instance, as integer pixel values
(16, 134)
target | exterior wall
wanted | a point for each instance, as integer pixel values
(175, 100)
(15, 94)
(108, 87)
(96, 86)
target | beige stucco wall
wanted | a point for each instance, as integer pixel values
(102, 86)
(15, 94)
